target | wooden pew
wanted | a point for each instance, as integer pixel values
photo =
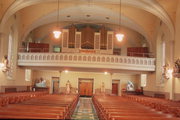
(166, 106)
(34, 114)
(114, 108)
(12, 98)
(44, 107)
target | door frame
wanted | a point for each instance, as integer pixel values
(84, 79)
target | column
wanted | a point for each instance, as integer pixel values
(1, 46)
(172, 79)
(158, 61)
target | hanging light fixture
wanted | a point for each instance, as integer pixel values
(119, 35)
(57, 32)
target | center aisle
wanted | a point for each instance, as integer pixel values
(85, 110)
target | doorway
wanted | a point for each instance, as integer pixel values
(115, 87)
(85, 87)
(55, 83)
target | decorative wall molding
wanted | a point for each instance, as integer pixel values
(86, 61)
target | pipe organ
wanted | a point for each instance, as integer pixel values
(87, 40)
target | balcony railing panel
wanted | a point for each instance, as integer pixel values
(86, 60)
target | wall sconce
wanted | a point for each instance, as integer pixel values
(168, 72)
(4, 65)
(177, 68)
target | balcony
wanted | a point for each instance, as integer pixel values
(88, 60)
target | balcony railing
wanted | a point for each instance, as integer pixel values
(136, 54)
(86, 61)
(34, 50)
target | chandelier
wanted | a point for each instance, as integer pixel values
(119, 35)
(57, 32)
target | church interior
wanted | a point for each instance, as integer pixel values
(90, 59)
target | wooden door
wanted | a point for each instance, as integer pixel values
(89, 89)
(85, 88)
(56, 86)
(82, 88)
(115, 88)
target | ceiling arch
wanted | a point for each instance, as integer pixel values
(82, 18)
(148, 5)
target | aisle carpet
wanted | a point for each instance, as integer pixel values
(84, 110)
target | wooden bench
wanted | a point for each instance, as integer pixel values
(44, 107)
(166, 106)
(17, 97)
(114, 107)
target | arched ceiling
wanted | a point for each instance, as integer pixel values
(4, 5)
(78, 14)
(139, 15)
(170, 6)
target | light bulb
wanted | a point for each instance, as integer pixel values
(119, 37)
(57, 34)
(105, 73)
